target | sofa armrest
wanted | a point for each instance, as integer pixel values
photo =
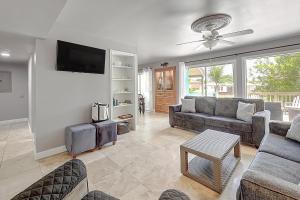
(279, 127)
(175, 108)
(172, 110)
(258, 185)
(68, 181)
(260, 125)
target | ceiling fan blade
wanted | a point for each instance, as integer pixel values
(226, 42)
(238, 33)
(190, 42)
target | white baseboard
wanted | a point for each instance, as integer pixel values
(49, 152)
(13, 121)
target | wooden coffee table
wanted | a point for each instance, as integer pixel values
(214, 162)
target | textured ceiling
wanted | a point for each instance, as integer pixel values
(153, 26)
(19, 46)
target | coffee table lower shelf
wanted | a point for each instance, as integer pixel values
(202, 171)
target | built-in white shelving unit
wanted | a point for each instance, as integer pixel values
(123, 68)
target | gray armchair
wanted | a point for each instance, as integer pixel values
(275, 109)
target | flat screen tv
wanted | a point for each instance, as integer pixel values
(78, 58)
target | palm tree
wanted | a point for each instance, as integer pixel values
(217, 76)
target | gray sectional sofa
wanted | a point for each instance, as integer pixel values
(220, 114)
(274, 174)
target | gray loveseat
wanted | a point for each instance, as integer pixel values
(274, 174)
(220, 114)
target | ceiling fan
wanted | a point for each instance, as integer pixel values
(209, 26)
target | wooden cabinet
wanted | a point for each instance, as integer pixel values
(165, 88)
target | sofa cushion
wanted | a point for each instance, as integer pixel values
(276, 166)
(245, 111)
(228, 123)
(259, 103)
(193, 121)
(188, 105)
(226, 107)
(294, 132)
(281, 146)
(192, 116)
(204, 104)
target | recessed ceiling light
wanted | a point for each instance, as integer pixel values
(5, 54)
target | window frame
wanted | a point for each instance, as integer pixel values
(233, 62)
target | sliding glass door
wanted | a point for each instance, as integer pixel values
(214, 80)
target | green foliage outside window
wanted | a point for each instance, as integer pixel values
(217, 76)
(282, 75)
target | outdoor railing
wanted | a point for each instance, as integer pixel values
(283, 97)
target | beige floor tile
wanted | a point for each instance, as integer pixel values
(50, 163)
(4, 132)
(193, 189)
(139, 169)
(90, 157)
(20, 131)
(18, 148)
(17, 183)
(100, 168)
(161, 178)
(124, 157)
(2, 149)
(18, 165)
(117, 184)
(139, 193)
(110, 149)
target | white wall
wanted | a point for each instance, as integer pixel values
(14, 105)
(64, 98)
(238, 58)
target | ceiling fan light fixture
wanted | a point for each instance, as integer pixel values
(209, 27)
(210, 43)
(211, 22)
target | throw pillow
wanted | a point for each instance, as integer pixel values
(188, 105)
(294, 131)
(245, 111)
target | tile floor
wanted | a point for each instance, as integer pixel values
(140, 166)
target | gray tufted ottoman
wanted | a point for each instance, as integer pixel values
(80, 138)
(172, 194)
(106, 132)
(67, 182)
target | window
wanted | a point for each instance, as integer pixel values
(275, 79)
(210, 81)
